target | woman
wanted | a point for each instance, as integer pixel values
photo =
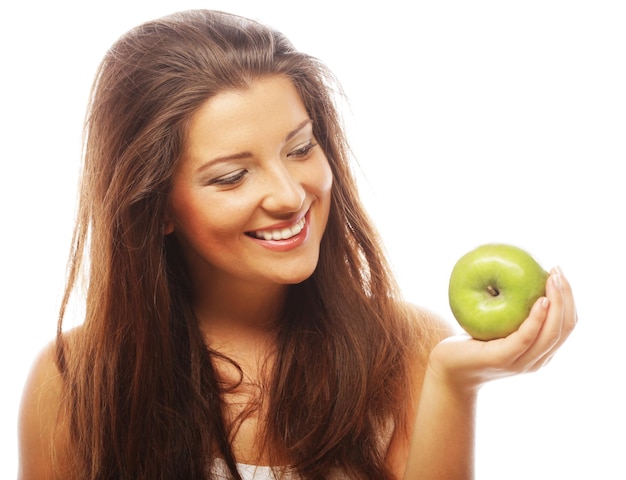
(241, 320)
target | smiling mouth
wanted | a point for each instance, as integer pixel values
(279, 233)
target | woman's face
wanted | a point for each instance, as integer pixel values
(251, 195)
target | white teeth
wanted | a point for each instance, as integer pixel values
(282, 233)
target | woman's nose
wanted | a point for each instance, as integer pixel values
(284, 193)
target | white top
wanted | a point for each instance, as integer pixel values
(256, 472)
(247, 472)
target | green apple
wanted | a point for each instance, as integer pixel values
(492, 289)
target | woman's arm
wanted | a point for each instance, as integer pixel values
(442, 445)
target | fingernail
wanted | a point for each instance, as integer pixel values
(545, 302)
(556, 277)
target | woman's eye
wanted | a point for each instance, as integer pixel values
(231, 179)
(303, 151)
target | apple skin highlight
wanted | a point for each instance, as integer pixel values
(493, 288)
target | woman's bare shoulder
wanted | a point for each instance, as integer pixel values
(43, 384)
(40, 426)
(44, 381)
(429, 327)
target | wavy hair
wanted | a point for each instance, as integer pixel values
(142, 394)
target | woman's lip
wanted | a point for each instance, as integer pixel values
(287, 244)
(281, 225)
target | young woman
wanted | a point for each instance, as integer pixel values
(241, 320)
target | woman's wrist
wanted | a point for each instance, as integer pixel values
(450, 374)
(451, 386)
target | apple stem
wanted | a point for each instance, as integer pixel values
(493, 291)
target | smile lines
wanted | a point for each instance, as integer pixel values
(280, 233)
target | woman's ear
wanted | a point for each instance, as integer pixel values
(167, 227)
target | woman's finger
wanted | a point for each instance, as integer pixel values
(512, 349)
(560, 322)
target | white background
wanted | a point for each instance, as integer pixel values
(472, 122)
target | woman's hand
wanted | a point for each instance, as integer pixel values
(464, 364)
(442, 445)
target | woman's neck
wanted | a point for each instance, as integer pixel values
(238, 310)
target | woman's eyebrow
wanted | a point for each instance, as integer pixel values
(296, 130)
(246, 154)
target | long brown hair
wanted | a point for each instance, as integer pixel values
(142, 396)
